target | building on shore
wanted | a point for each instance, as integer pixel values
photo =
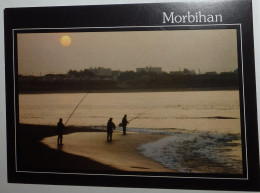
(100, 71)
(149, 69)
(105, 73)
(115, 74)
(184, 72)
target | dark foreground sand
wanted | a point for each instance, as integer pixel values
(85, 149)
(35, 156)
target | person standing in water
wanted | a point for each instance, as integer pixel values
(110, 127)
(124, 123)
(60, 129)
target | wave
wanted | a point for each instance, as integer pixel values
(197, 152)
(192, 151)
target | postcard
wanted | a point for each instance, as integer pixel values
(138, 95)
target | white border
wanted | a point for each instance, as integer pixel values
(127, 27)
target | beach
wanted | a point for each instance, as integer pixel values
(32, 155)
(85, 150)
(121, 153)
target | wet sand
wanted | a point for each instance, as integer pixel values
(85, 150)
(122, 153)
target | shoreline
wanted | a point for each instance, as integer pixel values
(86, 150)
(121, 153)
(34, 154)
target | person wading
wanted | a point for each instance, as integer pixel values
(124, 123)
(60, 129)
(110, 127)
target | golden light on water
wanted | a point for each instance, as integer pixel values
(65, 40)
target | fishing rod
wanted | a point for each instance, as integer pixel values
(137, 116)
(120, 124)
(76, 107)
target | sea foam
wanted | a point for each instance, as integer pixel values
(197, 152)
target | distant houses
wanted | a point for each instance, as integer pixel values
(100, 71)
(184, 72)
(149, 69)
(101, 74)
(100, 78)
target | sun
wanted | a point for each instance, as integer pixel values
(65, 40)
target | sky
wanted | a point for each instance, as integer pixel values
(173, 50)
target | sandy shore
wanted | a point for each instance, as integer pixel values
(32, 155)
(122, 153)
(85, 150)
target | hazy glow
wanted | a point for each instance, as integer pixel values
(172, 50)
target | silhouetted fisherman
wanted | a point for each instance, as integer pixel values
(124, 123)
(110, 127)
(60, 128)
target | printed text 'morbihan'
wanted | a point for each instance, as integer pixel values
(198, 17)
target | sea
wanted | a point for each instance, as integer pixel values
(201, 129)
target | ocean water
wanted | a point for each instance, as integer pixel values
(201, 129)
(217, 111)
(202, 152)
